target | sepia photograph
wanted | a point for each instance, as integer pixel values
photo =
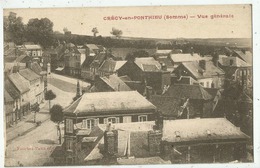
(130, 85)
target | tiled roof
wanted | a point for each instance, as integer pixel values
(185, 57)
(20, 83)
(165, 60)
(11, 90)
(88, 61)
(29, 74)
(188, 91)
(148, 64)
(92, 103)
(7, 97)
(196, 70)
(115, 83)
(199, 130)
(98, 60)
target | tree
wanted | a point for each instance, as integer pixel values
(65, 29)
(40, 31)
(14, 29)
(57, 117)
(95, 31)
(36, 109)
(116, 32)
(49, 95)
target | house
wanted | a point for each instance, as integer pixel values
(147, 71)
(179, 58)
(110, 67)
(208, 140)
(109, 83)
(8, 109)
(90, 67)
(10, 49)
(186, 101)
(236, 71)
(92, 49)
(19, 89)
(117, 143)
(121, 53)
(246, 56)
(204, 72)
(72, 60)
(36, 85)
(35, 67)
(115, 107)
(166, 61)
(34, 51)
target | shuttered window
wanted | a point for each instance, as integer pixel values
(142, 118)
(90, 123)
(69, 125)
(111, 120)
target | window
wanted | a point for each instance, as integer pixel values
(142, 118)
(207, 84)
(111, 120)
(90, 123)
(69, 144)
(127, 119)
(69, 125)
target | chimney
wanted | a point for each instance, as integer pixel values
(215, 59)
(163, 67)
(202, 64)
(231, 62)
(149, 92)
(154, 142)
(29, 64)
(191, 51)
(110, 141)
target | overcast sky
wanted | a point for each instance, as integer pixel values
(82, 20)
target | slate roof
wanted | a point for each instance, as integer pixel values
(201, 130)
(165, 60)
(195, 69)
(92, 46)
(168, 106)
(87, 62)
(7, 97)
(237, 62)
(114, 82)
(247, 56)
(98, 60)
(103, 102)
(35, 67)
(11, 90)
(148, 64)
(29, 74)
(20, 83)
(111, 65)
(21, 58)
(187, 91)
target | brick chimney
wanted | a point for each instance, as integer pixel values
(154, 142)
(202, 64)
(110, 141)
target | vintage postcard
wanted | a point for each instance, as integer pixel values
(128, 85)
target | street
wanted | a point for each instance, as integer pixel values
(39, 142)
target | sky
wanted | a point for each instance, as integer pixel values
(82, 20)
